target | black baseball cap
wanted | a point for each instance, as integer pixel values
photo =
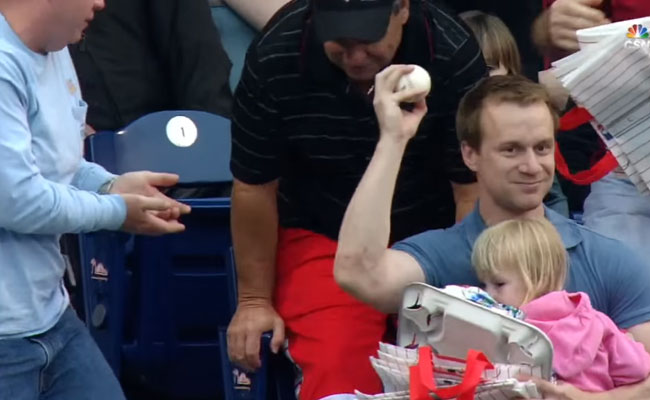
(364, 20)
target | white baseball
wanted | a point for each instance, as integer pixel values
(417, 79)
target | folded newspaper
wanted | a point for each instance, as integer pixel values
(610, 77)
(392, 364)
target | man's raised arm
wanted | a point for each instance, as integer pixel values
(364, 266)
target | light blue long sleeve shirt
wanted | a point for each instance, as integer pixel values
(46, 187)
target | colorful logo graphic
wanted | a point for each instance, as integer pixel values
(638, 31)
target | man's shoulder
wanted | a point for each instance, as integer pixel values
(439, 240)
(605, 253)
(283, 33)
(14, 64)
(446, 24)
(443, 254)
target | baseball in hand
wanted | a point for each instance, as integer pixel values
(417, 79)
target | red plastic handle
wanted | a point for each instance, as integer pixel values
(422, 382)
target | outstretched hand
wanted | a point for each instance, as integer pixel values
(149, 211)
(395, 122)
(565, 17)
(146, 183)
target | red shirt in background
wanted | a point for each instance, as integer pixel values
(629, 9)
(620, 10)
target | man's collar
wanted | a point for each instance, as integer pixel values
(416, 48)
(567, 228)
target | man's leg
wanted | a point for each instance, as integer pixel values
(330, 334)
(77, 369)
(21, 362)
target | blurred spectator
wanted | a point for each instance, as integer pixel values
(614, 207)
(142, 56)
(502, 58)
(518, 16)
(497, 44)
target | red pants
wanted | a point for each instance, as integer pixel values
(331, 335)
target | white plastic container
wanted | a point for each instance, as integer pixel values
(452, 326)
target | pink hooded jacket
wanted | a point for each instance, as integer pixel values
(590, 352)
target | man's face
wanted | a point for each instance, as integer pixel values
(72, 18)
(361, 61)
(515, 163)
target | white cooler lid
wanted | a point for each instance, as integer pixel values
(452, 326)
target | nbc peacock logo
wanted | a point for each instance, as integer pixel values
(638, 31)
(637, 38)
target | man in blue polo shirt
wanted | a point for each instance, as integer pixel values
(506, 128)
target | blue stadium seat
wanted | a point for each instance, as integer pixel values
(155, 304)
(236, 36)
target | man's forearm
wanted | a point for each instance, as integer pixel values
(540, 33)
(255, 12)
(365, 230)
(254, 223)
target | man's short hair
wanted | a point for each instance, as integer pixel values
(498, 89)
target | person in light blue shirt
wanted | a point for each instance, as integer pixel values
(506, 126)
(47, 189)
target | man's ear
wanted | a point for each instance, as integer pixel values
(470, 156)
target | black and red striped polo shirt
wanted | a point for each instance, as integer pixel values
(296, 119)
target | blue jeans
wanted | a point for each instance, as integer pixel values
(62, 363)
(616, 209)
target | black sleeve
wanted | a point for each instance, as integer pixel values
(189, 46)
(257, 152)
(467, 68)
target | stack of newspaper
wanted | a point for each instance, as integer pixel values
(610, 77)
(393, 362)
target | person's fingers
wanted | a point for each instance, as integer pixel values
(572, 23)
(236, 344)
(420, 107)
(592, 16)
(165, 214)
(161, 179)
(182, 207)
(252, 352)
(173, 214)
(565, 39)
(387, 79)
(591, 3)
(406, 95)
(154, 203)
(156, 225)
(171, 226)
(278, 335)
(547, 389)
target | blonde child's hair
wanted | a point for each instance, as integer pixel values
(532, 247)
(495, 39)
